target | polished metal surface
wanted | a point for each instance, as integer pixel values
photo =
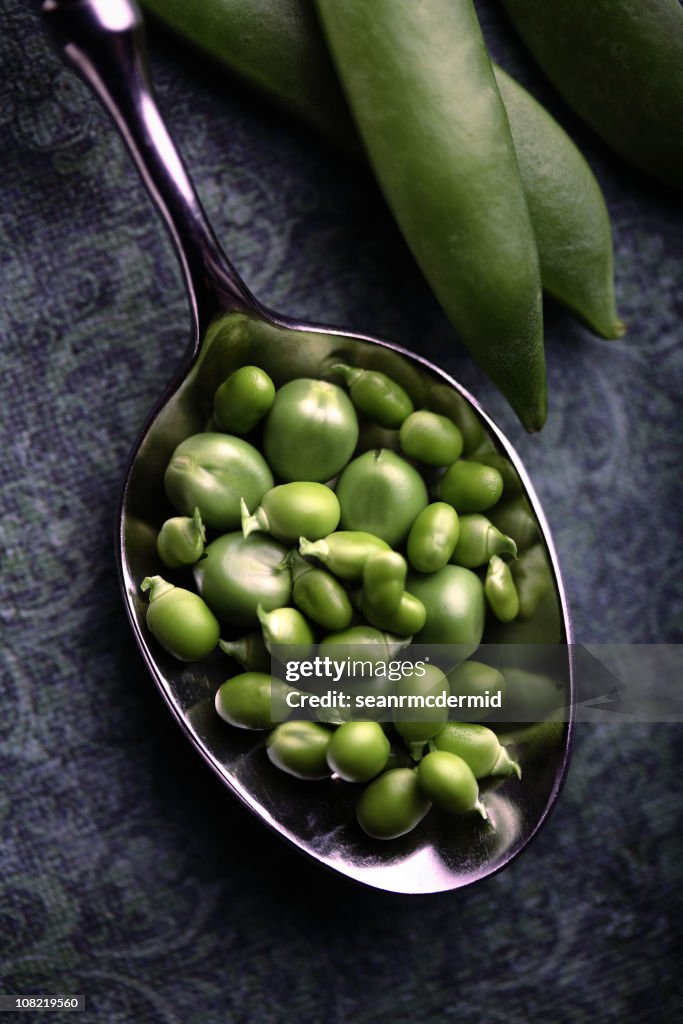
(103, 41)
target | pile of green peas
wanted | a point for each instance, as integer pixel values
(317, 544)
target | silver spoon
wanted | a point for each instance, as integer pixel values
(103, 41)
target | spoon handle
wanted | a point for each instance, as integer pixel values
(103, 41)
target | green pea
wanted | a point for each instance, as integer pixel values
(290, 511)
(381, 493)
(500, 590)
(471, 486)
(447, 780)
(406, 620)
(478, 541)
(358, 751)
(377, 396)
(249, 651)
(247, 700)
(212, 472)
(475, 684)
(286, 633)
(344, 553)
(532, 577)
(384, 577)
(182, 623)
(433, 537)
(478, 746)
(239, 573)
(361, 643)
(181, 540)
(320, 596)
(392, 805)
(243, 400)
(300, 749)
(514, 519)
(447, 402)
(310, 432)
(426, 684)
(454, 601)
(430, 438)
(512, 485)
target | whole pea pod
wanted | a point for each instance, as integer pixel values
(277, 46)
(568, 212)
(620, 67)
(422, 90)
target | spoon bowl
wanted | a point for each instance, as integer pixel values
(103, 41)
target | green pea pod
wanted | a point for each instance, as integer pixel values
(277, 46)
(422, 90)
(620, 67)
(567, 210)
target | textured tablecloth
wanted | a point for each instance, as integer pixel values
(128, 873)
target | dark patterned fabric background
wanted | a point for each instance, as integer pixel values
(128, 873)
